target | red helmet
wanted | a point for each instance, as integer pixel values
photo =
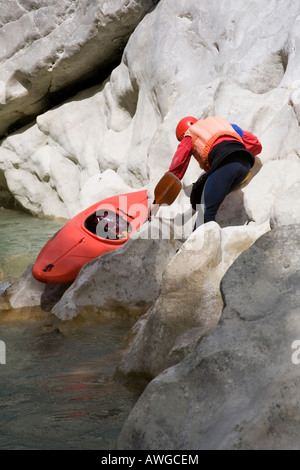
(183, 126)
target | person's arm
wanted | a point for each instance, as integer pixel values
(250, 141)
(178, 167)
(181, 159)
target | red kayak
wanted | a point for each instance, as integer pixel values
(103, 227)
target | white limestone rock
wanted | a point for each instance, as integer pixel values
(48, 46)
(190, 301)
(286, 208)
(123, 282)
(127, 124)
(27, 295)
(98, 186)
(239, 389)
(48, 165)
(273, 179)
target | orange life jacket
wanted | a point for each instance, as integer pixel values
(204, 134)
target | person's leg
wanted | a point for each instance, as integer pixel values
(222, 181)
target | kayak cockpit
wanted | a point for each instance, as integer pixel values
(107, 224)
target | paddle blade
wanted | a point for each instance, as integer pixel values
(167, 189)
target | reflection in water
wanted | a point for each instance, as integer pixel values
(58, 392)
(57, 388)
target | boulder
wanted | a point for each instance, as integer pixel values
(239, 388)
(268, 186)
(123, 282)
(285, 210)
(190, 302)
(28, 295)
(51, 46)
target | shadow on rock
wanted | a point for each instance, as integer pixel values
(52, 294)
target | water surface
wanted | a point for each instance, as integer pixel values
(57, 388)
(58, 391)
(22, 236)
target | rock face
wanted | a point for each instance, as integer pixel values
(285, 210)
(273, 181)
(240, 60)
(123, 282)
(239, 389)
(27, 294)
(190, 302)
(119, 136)
(48, 46)
(126, 124)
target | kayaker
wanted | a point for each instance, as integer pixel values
(224, 151)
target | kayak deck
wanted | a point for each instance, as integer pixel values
(103, 227)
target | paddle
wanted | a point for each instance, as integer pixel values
(165, 192)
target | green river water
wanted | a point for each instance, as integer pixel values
(57, 385)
